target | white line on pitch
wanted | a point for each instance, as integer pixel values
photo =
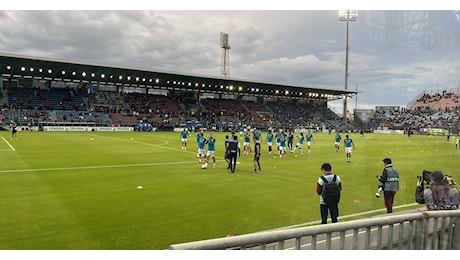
(97, 167)
(12, 148)
(162, 145)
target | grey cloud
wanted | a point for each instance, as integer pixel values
(394, 55)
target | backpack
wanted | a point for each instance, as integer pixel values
(331, 191)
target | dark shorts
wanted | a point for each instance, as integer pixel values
(232, 154)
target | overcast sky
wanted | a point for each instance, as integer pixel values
(393, 55)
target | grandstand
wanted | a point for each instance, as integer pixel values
(438, 110)
(36, 92)
(165, 112)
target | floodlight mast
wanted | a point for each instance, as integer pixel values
(346, 16)
(225, 62)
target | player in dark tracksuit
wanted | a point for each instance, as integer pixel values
(14, 130)
(233, 152)
(227, 154)
(256, 156)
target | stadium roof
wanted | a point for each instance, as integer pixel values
(26, 67)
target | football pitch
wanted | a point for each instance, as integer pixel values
(79, 190)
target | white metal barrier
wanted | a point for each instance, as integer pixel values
(434, 230)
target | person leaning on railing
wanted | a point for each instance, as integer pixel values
(438, 195)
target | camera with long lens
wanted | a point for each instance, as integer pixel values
(379, 191)
(426, 179)
(379, 188)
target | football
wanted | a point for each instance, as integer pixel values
(204, 166)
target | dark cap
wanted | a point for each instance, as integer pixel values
(437, 176)
(387, 160)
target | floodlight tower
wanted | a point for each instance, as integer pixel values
(347, 16)
(225, 62)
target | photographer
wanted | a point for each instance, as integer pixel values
(390, 183)
(438, 196)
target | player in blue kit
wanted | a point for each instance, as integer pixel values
(299, 144)
(257, 136)
(338, 139)
(309, 138)
(184, 134)
(282, 145)
(349, 145)
(201, 147)
(277, 138)
(246, 142)
(269, 140)
(211, 141)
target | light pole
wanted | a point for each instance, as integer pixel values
(356, 97)
(346, 16)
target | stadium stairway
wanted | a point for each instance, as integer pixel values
(4, 99)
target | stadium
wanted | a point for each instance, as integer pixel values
(71, 178)
(93, 156)
(96, 96)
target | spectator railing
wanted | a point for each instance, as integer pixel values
(432, 230)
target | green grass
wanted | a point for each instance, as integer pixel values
(65, 191)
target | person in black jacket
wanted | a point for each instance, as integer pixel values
(233, 147)
(256, 155)
(227, 154)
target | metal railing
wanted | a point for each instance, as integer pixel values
(431, 230)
